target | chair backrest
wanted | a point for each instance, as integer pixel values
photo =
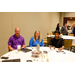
(44, 41)
(67, 44)
(49, 33)
(48, 39)
(71, 34)
(53, 32)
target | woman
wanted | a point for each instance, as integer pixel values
(36, 40)
(57, 42)
(58, 27)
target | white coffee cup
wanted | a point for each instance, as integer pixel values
(61, 35)
(52, 48)
(18, 47)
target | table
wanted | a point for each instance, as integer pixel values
(64, 37)
(53, 56)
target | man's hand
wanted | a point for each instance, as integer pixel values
(10, 48)
(50, 47)
(61, 48)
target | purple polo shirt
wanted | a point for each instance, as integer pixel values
(14, 41)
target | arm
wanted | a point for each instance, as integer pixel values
(61, 48)
(9, 44)
(50, 43)
(10, 48)
(30, 42)
(62, 30)
(42, 43)
(23, 43)
(23, 46)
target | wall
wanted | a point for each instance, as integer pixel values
(71, 23)
(69, 14)
(28, 22)
(61, 18)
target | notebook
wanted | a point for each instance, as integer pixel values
(26, 50)
(11, 60)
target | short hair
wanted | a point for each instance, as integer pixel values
(65, 23)
(57, 32)
(16, 28)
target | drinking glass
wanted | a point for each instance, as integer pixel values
(52, 48)
(38, 47)
(18, 47)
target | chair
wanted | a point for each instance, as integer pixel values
(49, 33)
(71, 34)
(73, 48)
(48, 39)
(52, 32)
(67, 44)
(73, 45)
(45, 42)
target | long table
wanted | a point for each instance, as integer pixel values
(64, 37)
(53, 55)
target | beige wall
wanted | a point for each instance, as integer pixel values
(71, 23)
(69, 14)
(61, 18)
(28, 22)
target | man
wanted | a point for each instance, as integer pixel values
(15, 40)
(74, 31)
(64, 30)
(57, 42)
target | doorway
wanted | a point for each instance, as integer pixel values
(69, 20)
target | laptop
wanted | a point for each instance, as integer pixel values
(26, 50)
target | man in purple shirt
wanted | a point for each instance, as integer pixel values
(15, 40)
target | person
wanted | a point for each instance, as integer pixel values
(69, 27)
(34, 41)
(73, 28)
(74, 31)
(58, 27)
(15, 40)
(57, 42)
(64, 29)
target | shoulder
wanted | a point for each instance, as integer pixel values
(61, 38)
(52, 39)
(32, 38)
(21, 37)
(11, 37)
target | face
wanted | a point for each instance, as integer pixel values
(56, 35)
(65, 25)
(17, 32)
(37, 34)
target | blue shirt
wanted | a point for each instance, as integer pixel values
(34, 44)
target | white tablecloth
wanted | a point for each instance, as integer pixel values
(53, 56)
(65, 37)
